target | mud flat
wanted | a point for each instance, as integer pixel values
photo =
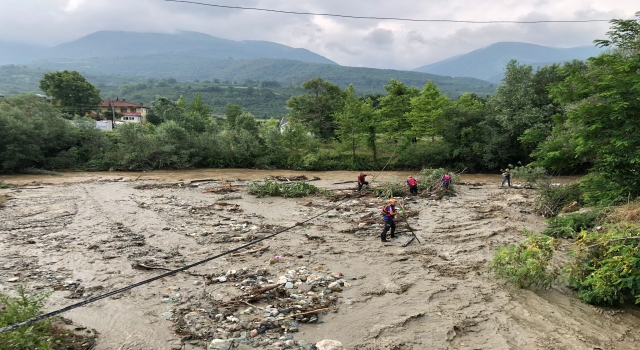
(330, 278)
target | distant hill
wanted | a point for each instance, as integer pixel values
(14, 53)
(488, 63)
(287, 72)
(113, 44)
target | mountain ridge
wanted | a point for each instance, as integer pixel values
(488, 63)
(107, 44)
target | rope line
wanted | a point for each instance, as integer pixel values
(383, 18)
(388, 161)
(166, 274)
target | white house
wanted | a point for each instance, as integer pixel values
(104, 125)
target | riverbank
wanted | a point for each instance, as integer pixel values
(231, 174)
(90, 234)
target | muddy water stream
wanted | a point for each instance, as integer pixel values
(233, 174)
(84, 235)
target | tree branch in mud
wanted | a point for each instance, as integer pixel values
(313, 312)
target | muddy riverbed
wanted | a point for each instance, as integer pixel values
(84, 234)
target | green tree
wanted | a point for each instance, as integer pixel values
(426, 111)
(353, 120)
(463, 131)
(317, 108)
(232, 111)
(624, 36)
(604, 117)
(70, 91)
(395, 106)
(181, 102)
(197, 106)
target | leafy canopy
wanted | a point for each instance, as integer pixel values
(70, 91)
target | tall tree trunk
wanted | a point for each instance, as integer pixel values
(353, 147)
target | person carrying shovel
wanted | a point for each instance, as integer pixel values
(388, 215)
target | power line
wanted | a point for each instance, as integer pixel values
(384, 18)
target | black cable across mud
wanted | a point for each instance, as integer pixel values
(169, 273)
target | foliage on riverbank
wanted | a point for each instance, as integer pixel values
(21, 308)
(604, 263)
(286, 190)
(529, 263)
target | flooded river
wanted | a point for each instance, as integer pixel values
(232, 174)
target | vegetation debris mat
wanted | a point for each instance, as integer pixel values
(151, 186)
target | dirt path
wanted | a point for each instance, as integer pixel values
(82, 239)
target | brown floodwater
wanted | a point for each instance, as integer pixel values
(231, 174)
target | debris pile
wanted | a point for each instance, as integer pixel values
(268, 311)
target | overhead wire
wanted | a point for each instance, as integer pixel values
(385, 18)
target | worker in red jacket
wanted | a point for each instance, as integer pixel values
(413, 185)
(362, 181)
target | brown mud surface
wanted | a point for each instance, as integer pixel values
(98, 232)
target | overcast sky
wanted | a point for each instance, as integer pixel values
(371, 43)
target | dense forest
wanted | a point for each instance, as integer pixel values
(264, 99)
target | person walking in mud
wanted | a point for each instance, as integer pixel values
(362, 181)
(388, 215)
(445, 180)
(507, 177)
(413, 185)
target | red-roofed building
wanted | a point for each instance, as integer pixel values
(129, 111)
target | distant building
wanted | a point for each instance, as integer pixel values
(45, 97)
(130, 112)
(283, 124)
(104, 125)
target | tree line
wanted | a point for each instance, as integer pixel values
(578, 117)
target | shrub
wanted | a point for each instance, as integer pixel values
(600, 189)
(527, 264)
(569, 226)
(388, 189)
(424, 154)
(287, 190)
(34, 336)
(530, 175)
(429, 177)
(551, 199)
(606, 266)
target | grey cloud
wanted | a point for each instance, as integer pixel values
(353, 42)
(336, 46)
(414, 36)
(380, 37)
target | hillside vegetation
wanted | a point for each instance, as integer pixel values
(287, 72)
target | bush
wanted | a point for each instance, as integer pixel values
(606, 266)
(34, 336)
(388, 189)
(423, 154)
(569, 226)
(530, 175)
(600, 189)
(551, 199)
(527, 264)
(288, 190)
(429, 177)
